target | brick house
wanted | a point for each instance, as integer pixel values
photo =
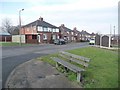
(40, 31)
(85, 36)
(92, 35)
(76, 35)
(65, 33)
(68, 34)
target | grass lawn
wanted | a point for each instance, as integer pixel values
(103, 67)
(12, 44)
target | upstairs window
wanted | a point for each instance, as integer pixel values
(40, 28)
(54, 30)
(45, 29)
(49, 30)
(57, 30)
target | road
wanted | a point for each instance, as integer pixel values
(14, 56)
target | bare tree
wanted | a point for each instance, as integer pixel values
(6, 25)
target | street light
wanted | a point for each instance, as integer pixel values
(20, 25)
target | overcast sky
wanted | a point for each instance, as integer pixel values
(90, 15)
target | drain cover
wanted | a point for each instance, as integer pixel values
(56, 74)
(41, 77)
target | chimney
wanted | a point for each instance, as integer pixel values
(41, 19)
(62, 25)
(74, 28)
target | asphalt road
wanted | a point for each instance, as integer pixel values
(14, 56)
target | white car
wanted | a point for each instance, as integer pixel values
(92, 42)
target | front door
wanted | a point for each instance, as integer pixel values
(38, 38)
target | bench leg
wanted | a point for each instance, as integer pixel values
(78, 76)
(56, 65)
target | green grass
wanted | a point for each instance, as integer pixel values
(102, 71)
(12, 44)
(103, 67)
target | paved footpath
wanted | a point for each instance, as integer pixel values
(38, 74)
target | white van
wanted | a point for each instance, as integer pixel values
(92, 42)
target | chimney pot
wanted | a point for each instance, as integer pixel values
(41, 19)
(62, 25)
(75, 28)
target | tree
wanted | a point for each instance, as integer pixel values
(6, 25)
(15, 30)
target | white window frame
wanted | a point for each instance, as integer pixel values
(57, 30)
(39, 28)
(49, 30)
(54, 30)
(72, 33)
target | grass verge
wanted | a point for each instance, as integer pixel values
(102, 71)
(12, 44)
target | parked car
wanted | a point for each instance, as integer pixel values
(59, 41)
(91, 42)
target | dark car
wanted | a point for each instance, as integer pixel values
(59, 41)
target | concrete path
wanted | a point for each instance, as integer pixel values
(38, 74)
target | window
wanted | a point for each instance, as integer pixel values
(54, 30)
(44, 36)
(72, 33)
(57, 30)
(58, 37)
(40, 28)
(72, 38)
(45, 29)
(49, 30)
(67, 32)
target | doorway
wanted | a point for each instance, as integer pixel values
(38, 38)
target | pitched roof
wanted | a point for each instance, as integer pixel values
(84, 32)
(76, 31)
(4, 33)
(62, 27)
(92, 34)
(40, 23)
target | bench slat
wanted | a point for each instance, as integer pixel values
(68, 65)
(74, 60)
(76, 56)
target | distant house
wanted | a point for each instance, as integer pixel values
(68, 34)
(114, 39)
(92, 35)
(40, 31)
(65, 33)
(77, 35)
(85, 36)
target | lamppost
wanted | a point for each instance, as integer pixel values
(20, 25)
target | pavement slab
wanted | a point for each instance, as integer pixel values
(38, 74)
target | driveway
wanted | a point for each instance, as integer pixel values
(14, 56)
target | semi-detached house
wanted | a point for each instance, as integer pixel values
(40, 31)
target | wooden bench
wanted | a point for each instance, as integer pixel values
(70, 59)
(70, 66)
(75, 56)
